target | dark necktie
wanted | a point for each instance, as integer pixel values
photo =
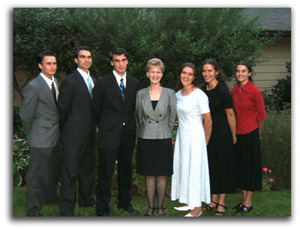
(122, 88)
(53, 91)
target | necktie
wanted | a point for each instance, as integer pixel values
(122, 88)
(90, 85)
(53, 91)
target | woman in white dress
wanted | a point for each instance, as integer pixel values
(190, 180)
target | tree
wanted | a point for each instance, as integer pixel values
(175, 35)
(281, 92)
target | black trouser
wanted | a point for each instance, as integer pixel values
(42, 178)
(106, 162)
(78, 164)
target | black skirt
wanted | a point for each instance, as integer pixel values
(248, 161)
(154, 157)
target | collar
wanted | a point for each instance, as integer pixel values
(83, 73)
(118, 78)
(246, 87)
(48, 81)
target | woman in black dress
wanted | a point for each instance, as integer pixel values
(221, 144)
(156, 114)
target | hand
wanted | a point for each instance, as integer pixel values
(234, 139)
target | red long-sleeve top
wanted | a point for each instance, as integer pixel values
(249, 107)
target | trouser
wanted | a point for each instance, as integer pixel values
(42, 178)
(78, 165)
(106, 162)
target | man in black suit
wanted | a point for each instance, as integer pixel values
(114, 104)
(78, 134)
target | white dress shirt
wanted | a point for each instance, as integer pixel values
(118, 78)
(49, 83)
(85, 77)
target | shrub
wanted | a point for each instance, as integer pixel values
(17, 125)
(20, 161)
(281, 92)
(276, 147)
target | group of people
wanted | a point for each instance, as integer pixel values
(217, 146)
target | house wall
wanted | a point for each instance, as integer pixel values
(266, 74)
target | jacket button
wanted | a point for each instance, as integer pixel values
(160, 115)
(149, 121)
(156, 121)
(147, 116)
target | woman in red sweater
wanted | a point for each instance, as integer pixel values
(250, 117)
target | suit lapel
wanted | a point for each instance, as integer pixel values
(46, 90)
(147, 103)
(81, 84)
(115, 87)
(161, 99)
(129, 87)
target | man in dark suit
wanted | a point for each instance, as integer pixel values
(114, 104)
(40, 121)
(78, 134)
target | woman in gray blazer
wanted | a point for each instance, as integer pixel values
(156, 114)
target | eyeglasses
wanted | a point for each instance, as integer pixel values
(155, 73)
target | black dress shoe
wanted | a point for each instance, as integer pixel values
(88, 206)
(53, 204)
(129, 209)
(102, 214)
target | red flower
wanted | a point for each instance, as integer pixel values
(15, 136)
(173, 143)
(265, 169)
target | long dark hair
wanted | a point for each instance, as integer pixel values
(249, 67)
(221, 76)
(195, 81)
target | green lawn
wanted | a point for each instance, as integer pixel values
(265, 204)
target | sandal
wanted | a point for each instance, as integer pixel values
(238, 206)
(245, 209)
(209, 208)
(150, 211)
(221, 213)
(161, 211)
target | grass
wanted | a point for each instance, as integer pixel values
(265, 204)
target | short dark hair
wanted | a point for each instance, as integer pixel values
(41, 56)
(86, 48)
(192, 66)
(117, 51)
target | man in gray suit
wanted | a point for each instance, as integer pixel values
(40, 121)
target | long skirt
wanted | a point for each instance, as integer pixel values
(248, 161)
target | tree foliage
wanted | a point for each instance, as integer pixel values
(175, 35)
(281, 92)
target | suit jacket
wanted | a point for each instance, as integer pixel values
(39, 115)
(113, 115)
(158, 123)
(75, 109)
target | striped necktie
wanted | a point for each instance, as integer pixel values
(53, 91)
(122, 88)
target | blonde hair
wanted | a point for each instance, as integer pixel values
(155, 62)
